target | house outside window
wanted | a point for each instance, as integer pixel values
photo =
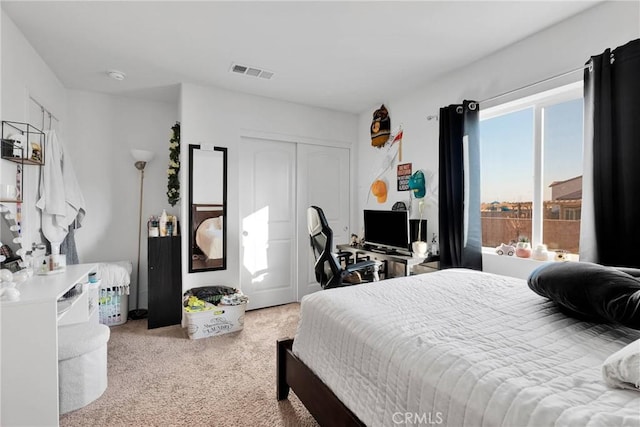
(531, 170)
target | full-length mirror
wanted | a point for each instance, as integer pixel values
(208, 208)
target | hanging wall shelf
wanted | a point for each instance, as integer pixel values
(22, 144)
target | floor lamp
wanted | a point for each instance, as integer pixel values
(141, 158)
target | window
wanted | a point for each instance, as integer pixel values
(531, 170)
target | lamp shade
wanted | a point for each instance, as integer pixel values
(142, 155)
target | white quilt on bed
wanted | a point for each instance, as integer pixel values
(461, 348)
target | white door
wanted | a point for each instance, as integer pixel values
(268, 251)
(323, 181)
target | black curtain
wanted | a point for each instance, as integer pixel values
(459, 187)
(611, 232)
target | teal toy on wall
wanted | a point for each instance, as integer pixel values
(417, 184)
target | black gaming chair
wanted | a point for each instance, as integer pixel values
(329, 272)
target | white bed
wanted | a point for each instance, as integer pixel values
(458, 348)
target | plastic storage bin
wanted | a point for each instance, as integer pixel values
(221, 320)
(114, 305)
(113, 298)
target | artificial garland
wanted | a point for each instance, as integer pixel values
(173, 185)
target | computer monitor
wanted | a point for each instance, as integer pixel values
(388, 230)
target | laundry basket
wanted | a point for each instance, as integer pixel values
(113, 298)
(220, 310)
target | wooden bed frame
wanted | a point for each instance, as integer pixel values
(321, 402)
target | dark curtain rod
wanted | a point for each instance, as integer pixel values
(557, 76)
(548, 79)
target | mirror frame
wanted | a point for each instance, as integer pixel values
(192, 231)
(17, 263)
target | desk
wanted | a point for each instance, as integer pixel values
(29, 385)
(407, 261)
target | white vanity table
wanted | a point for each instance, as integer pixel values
(29, 344)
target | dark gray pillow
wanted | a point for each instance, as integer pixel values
(590, 291)
(635, 272)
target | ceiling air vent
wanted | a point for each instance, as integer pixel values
(251, 71)
(239, 69)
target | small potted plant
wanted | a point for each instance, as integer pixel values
(523, 247)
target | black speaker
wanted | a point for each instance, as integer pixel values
(7, 148)
(413, 230)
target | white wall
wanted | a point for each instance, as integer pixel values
(556, 50)
(220, 117)
(25, 74)
(101, 131)
(97, 131)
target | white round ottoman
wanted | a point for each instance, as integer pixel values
(82, 364)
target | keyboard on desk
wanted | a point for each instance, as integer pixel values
(384, 251)
(377, 250)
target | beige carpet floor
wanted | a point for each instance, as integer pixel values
(160, 377)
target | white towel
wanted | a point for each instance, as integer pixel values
(115, 275)
(622, 368)
(61, 200)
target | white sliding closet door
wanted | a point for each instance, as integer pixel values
(323, 181)
(279, 181)
(268, 247)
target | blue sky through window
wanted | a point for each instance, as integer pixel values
(563, 131)
(507, 151)
(506, 157)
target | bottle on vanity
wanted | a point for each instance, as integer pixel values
(163, 223)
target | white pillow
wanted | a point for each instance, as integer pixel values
(622, 368)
